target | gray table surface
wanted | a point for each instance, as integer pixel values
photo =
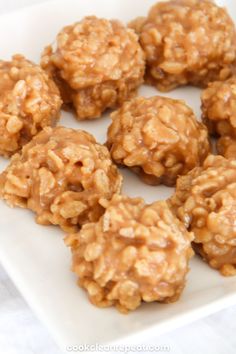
(22, 333)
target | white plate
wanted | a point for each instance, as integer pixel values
(35, 256)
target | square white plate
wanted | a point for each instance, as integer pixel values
(35, 256)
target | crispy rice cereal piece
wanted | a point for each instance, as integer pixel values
(187, 42)
(219, 107)
(226, 146)
(29, 101)
(134, 253)
(159, 138)
(205, 200)
(137, 24)
(98, 64)
(61, 175)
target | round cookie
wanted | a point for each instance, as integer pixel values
(97, 64)
(29, 101)
(219, 107)
(187, 42)
(205, 200)
(134, 253)
(159, 138)
(62, 175)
